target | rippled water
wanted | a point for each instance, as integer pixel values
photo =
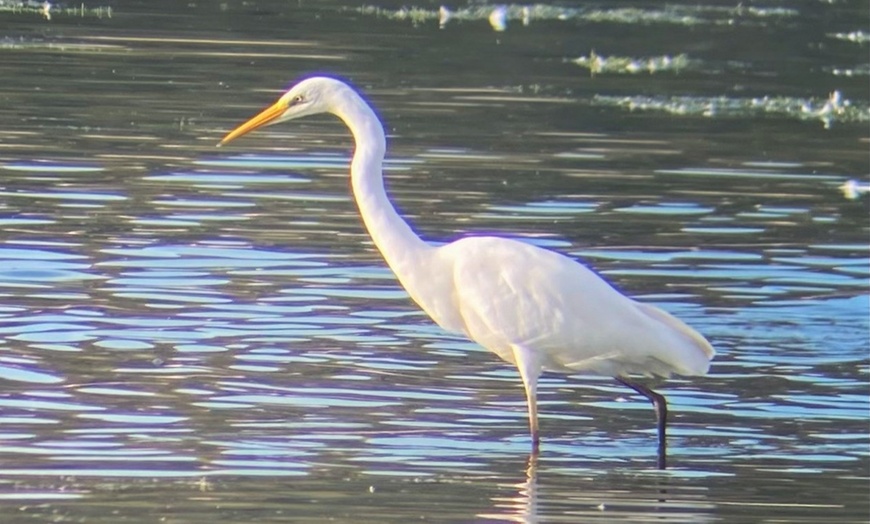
(191, 333)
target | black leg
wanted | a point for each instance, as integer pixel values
(661, 407)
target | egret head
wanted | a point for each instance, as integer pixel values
(310, 96)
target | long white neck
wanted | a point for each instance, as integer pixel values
(403, 250)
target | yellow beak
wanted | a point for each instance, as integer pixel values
(263, 118)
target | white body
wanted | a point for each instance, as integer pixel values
(535, 308)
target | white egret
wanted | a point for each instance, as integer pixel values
(498, 18)
(444, 16)
(534, 308)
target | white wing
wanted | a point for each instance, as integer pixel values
(511, 294)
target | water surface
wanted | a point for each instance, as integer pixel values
(196, 333)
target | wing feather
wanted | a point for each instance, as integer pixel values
(509, 293)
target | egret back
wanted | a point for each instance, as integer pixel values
(508, 293)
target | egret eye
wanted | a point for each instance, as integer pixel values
(296, 100)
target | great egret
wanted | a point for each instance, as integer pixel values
(534, 308)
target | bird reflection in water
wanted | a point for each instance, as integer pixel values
(522, 507)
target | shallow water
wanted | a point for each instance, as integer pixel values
(192, 334)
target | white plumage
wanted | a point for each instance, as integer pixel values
(533, 307)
